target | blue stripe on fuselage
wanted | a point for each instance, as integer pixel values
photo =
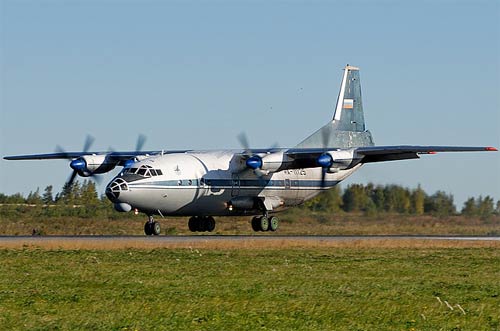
(243, 183)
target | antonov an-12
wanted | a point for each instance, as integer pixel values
(255, 182)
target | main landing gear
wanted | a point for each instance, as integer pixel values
(265, 223)
(152, 227)
(201, 224)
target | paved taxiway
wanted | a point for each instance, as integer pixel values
(242, 241)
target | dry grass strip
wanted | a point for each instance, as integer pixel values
(86, 243)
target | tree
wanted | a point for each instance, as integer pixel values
(470, 208)
(389, 198)
(485, 206)
(355, 198)
(47, 196)
(329, 201)
(403, 201)
(69, 194)
(333, 199)
(418, 200)
(34, 198)
(88, 193)
(440, 204)
(378, 198)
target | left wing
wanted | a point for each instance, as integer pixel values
(390, 153)
(340, 159)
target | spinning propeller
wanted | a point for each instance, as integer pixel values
(99, 164)
(141, 140)
(325, 160)
(78, 164)
(253, 161)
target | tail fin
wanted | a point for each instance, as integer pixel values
(347, 128)
(349, 111)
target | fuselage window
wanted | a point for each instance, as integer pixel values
(179, 182)
(190, 182)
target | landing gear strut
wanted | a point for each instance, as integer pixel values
(201, 224)
(265, 223)
(151, 227)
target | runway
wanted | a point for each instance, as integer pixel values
(244, 241)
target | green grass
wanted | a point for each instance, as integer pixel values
(294, 289)
(294, 221)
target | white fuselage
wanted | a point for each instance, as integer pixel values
(205, 183)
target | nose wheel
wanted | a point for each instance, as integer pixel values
(151, 227)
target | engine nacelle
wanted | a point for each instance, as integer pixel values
(338, 160)
(88, 165)
(268, 163)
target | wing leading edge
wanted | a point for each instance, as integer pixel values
(119, 156)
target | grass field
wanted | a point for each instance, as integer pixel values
(294, 221)
(347, 288)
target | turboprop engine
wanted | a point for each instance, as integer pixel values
(334, 161)
(89, 165)
(268, 163)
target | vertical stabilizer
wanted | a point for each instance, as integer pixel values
(347, 128)
(348, 114)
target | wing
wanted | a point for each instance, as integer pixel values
(345, 158)
(118, 156)
(391, 153)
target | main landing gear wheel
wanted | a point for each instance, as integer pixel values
(274, 222)
(151, 227)
(262, 223)
(255, 224)
(201, 224)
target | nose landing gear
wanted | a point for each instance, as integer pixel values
(151, 227)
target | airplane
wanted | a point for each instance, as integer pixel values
(253, 182)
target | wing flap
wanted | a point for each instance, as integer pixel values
(402, 149)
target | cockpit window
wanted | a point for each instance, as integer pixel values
(144, 171)
(129, 170)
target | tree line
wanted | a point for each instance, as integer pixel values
(373, 199)
(75, 194)
(79, 200)
(369, 199)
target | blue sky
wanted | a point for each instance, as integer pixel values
(195, 74)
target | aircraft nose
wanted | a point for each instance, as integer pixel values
(114, 189)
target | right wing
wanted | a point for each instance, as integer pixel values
(119, 157)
